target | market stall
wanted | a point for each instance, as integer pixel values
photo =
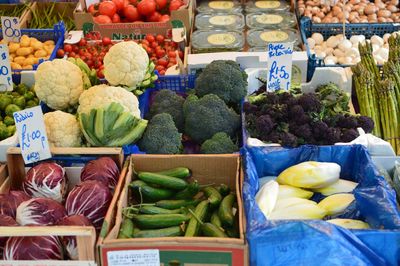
(183, 132)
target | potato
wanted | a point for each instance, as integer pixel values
(29, 61)
(15, 65)
(31, 56)
(370, 9)
(25, 41)
(50, 42)
(19, 60)
(11, 56)
(384, 13)
(27, 67)
(35, 60)
(37, 45)
(49, 49)
(33, 39)
(24, 51)
(13, 47)
(40, 53)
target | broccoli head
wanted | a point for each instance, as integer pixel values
(310, 102)
(349, 135)
(219, 143)
(346, 121)
(167, 101)
(288, 139)
(365, 123)
(223, 78)
(161, 136)
(332, 136)
(319, 129)
(208, 115)
(264, 124)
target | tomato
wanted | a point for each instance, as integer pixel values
(68, 48)
(102, 19)
(146, 7)
(82, 42)
(133, 2)
(172, 60)
(60, 53)
(144, 46)
(154, 59)
(100, 74)
(162, 72)
(89, 62)
(164, 18)
(162, 62)
(72, 54)
(88, 56)
(107, 8)
(75, 48)
(116, 18)
(155, 17)
(153, 45)
(119, 4)
(175, 5)
(149, 50)
(171, 54)
(131, 13)
(106, 41)
(160, 38)
(150, 38)
(160, 53)
(83, 57)
(161, 4)
(160, 68)
(145, 42)
(92, 9)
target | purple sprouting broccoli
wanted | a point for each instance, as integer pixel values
(365, 123)
(319, 129)
(302, 131)
(349, 135)
(346, 121)
(295, 112)
(288, 140)
(264, 124)
(332, 136)
(249, 108)
(310, 102)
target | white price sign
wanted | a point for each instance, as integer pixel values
(279, 66)
(140, 257)
(11, 29)
(5, 69)
(32, 134)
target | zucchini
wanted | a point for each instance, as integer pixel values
(164, 232)
(225, 210)
(214, 197)
(179, 172)
(126, 230)
(163, 180)
(176, 204)
(211, 230)
(156, 221)
(194, 223)
(215, 219)
(157, 210)
(150, 194)
(189, 192)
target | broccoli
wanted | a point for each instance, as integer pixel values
(346, 121)
(264, 124)
(332, 136)
(349, 135)
(288, 140)
(310, 102)
(249, 108)
(365, 123)
(303, 131)
(208, 115)
(319, 129)
(219, 143)
(296, 111)
(167, 101)
(161, 136)
(223, 78)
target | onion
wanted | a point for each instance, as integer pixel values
(318, 38)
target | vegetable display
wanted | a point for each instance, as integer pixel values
(170, 203)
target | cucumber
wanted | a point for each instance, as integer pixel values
(215, 219)
(163, 180)
(126, 230)
(164, 232)
(157, 210)
(150, 194)
(233, 231)
(179, 172)
(156, 221)
(189, 192)
(176, 204)
(224, 190)
(211, 230)
(194, 225)
(225, 210)
(214, 197)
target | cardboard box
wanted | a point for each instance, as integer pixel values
(188, 250)
(22, 18)
(86, 236)
(119, 31)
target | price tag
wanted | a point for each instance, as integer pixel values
(279, 66)
(140, 257)
(32, 134)
(5, 69)
(11, 29)
(89, 2)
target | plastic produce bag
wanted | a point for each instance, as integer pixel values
(315, 242)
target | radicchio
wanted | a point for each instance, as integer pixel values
(33, 248)
(70, 241)
(91, 199)
(46, 180)
(9, 202)
(5, 220)
(103, 169)
(40, 211)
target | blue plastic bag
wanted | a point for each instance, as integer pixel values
(318, 242)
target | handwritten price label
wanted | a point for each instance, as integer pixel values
(144, 257)
(11, 29)
(279, 66)
(5, 69)
(32, 135)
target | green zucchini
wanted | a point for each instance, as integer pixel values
(225, 210)
(194, 224)
(214, 197)
(163, 180)
(149, 193)
(179, 172)
(157, 210)
(164, 232)
(176, 204)
(156, 221)
(189, 192)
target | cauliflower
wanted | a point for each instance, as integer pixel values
(58, 83)
(62, 129)
(125, 64)
(102, 95)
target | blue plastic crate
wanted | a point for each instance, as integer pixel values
(307, 28)
(178, 83)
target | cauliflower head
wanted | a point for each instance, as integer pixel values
(101, 96)
(62, 129)
(58, 83)
(125, 64)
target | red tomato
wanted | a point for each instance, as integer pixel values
(162, 72)
(175, 5)
(102, 19)
(146, 7)
(150, 38)
(172, 60)
(149, 50)
(106, 41)
(154, 45)
(155, 17)
(75, 48)
(160, 38)
(82, 42)
(107, 8)
(92, 9)
(72, 54)
(89, 62)
(160, 68)
(171, 54)
(154, 59)
(161, 4)
(164, 18)
(133, 2)
(131, 13)
(83, 57)
(60, 53)
(116, 18)
(68, 48)
(100, 74)
(162, 62)
(145, 42)
(82, 52)
(119, 4)
(144, 46)
(160, 53)
(88, 56)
